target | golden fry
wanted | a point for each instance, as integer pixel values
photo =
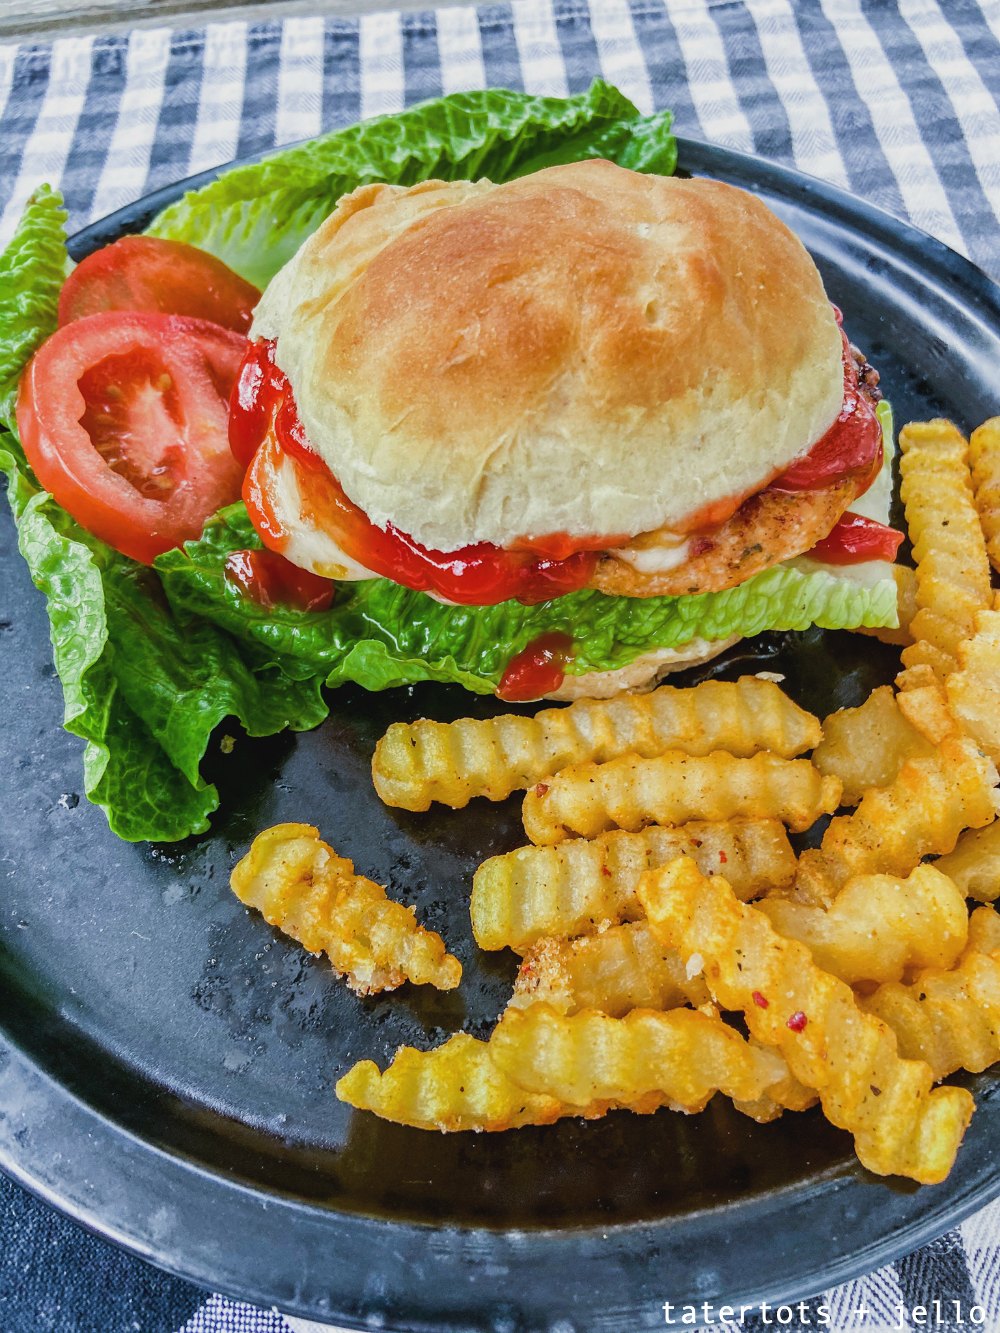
(299, 884)
(974, 865)
(974, 688)
(866, 746)
(645, 1060)
(880, 927)
(673, 788)
(984, 457)
(948, 1019)
(925, 707)
(921, 813)
(578, 885)
(901, 1126)
(456, 1086)
(918, 676)
(618, 970)
(420, 762)
(786, 1095)
(984, 932)
(953, 575)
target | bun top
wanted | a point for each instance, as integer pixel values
(586, 350)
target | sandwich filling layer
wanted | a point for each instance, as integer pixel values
(301, 511)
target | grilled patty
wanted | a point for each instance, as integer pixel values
(768, 527)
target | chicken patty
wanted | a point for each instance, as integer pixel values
(767, 528)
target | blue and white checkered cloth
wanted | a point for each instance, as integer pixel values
(897, 103)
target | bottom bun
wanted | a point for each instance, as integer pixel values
(643, 673)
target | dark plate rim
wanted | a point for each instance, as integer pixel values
(836, 1208)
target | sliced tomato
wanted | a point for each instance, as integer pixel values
(144, 273)
(855, 539)
(124, 419)
(852, 447)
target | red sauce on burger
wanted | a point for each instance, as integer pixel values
(537, 670)
(264, 428)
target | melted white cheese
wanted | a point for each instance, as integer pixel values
(308, 546)
(672, 550)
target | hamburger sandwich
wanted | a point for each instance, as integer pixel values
(584, 379)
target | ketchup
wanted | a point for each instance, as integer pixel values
(251, 400)
(536, 670)
(855, 538)
(264, 425)
(271, 580)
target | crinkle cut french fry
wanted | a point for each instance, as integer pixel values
(918, 676)
(673, 788)
(953, 574)
(925, 707)
(921, 813)
(645, 1060)
(420, 762)
(974, 865)
(578, 885)
(786, 1095)
(457, 1086)
(866, 746)
(984, 457)
(615, 971)
(880, 927)
(299, 884)
(948, 1019)
(974, 688)
(984, 931)
(901, 1125)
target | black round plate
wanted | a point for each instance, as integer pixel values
(167, 1060)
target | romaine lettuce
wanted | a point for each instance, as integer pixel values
(32, 272)
(144, 692)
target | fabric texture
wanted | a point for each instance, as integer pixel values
(896, 102)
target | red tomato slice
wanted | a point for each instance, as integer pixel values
(160, 277)
(123, 418)
(854, 539)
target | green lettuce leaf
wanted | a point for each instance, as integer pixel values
(144, 691)
(379, 635)
(255, 217)
(32, 271)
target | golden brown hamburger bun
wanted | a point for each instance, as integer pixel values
(586, 350)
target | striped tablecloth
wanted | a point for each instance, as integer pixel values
(895, 102)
